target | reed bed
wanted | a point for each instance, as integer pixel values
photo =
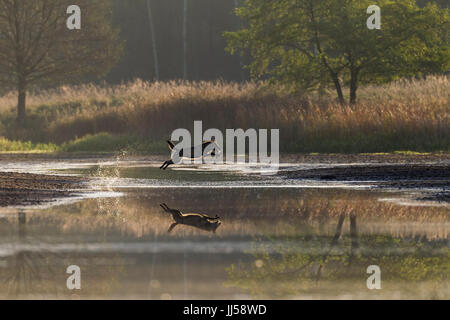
(402, 115)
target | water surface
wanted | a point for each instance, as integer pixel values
(277, 238)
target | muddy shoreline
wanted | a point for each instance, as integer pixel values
(430, 174)
(432, 179)
(424, 175)
(24, 189)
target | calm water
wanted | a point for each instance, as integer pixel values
(277, 238)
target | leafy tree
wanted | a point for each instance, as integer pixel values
(311, 44)
(37, 47)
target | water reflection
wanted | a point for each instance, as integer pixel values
(26, 266)
(30, 267)
(248, 213)
(313, 243)
(320, 266)
(197, 220)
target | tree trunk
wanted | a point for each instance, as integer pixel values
(354, 246)
(22, 218)
(333, 243)
(185, 21)
(241, 63)
(152, 35)
(353, 86)
(353, 233)
(338, 86)
(338, 232)
(21, 101)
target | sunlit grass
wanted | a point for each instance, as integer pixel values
(97, 143)
(105, 142)
(404, 115)
(26, 146)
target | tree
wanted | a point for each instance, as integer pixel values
(38, 48)
(185, 41)
(310, 44)
(241, 63)
(153, 37)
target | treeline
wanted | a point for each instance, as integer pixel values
(206, 20)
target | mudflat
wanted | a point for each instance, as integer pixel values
(432, 176)
(421, 174)
(17, 189)
(429, 172)
(369, 158)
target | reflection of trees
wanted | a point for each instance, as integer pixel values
(38, 272)
(24, 276)
(317, 263)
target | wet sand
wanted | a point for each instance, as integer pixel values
(19, 189)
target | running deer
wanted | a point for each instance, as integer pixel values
(211, 148)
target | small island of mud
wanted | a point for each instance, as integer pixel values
(432, 179)
(20, 189)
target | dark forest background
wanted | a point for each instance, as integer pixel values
(206, 56)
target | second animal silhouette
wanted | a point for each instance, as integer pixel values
(197, 220)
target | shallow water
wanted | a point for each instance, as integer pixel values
(277, 238)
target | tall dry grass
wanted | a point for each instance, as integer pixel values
(402, 115)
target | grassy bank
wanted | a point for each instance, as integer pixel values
(101, 142)
(139, 116)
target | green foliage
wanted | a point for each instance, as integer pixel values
(104, 142)
(25, 146)
(98, 143)
(314, 44)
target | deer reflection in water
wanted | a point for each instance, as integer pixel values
(197, 220)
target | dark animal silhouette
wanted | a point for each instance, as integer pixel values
(211, 145)
(197, 220)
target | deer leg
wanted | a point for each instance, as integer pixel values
(162, 167)
(173, 225)
(168, 163)
(165, 207)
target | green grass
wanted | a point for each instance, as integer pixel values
(98, 143)
(26, 146)
(411, 153)
(105, 142)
